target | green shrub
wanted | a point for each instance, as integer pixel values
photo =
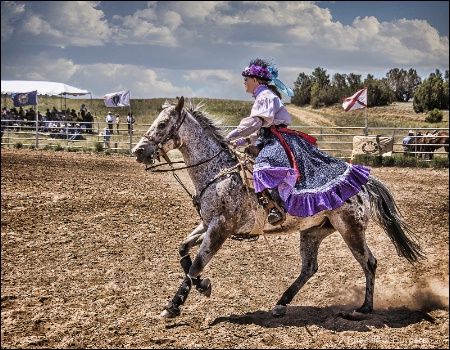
(367, 159)
(98, 146)
(18, 145)
(58, 147)
(72, 149)
(388, 161)
(405, 162)
(435, 116)
(439, 162)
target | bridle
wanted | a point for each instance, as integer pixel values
(172, 134)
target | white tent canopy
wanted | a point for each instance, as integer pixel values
(42, 87)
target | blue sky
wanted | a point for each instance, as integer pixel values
(198, 49)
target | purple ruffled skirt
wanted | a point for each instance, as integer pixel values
(325, 182)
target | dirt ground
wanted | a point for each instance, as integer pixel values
(90, 257)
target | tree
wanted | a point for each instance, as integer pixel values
(431, 94)
(354, 82)
(302, 90)
(378, 92)
(340, 87)
(403, 83)
(321, 77)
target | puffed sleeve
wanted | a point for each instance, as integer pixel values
(246, 127)
(264, 108)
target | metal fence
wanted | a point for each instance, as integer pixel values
(336, 141)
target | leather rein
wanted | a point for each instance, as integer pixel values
(172, 135)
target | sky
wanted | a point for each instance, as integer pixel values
(164, 49)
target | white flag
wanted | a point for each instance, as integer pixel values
(117, 99)
(358, 100)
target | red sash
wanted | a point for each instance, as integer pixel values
(276, 131)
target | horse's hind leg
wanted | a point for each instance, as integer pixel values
(363, 255)
(352, 228)
(309, 247)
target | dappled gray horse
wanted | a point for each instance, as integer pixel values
(227, 208)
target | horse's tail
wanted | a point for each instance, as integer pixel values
(385, 213)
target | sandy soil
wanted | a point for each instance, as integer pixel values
(89, 259)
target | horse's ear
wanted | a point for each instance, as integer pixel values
(180, 105)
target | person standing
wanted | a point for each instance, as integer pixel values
(117, 123)
(110, 121)
(130, 122)
(89, 122)
(106, 138)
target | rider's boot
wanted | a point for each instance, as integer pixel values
(274, 215)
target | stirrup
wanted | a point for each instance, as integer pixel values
(274, 216)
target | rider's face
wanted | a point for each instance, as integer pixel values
(250, 84)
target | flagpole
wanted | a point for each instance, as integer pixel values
(131, 124)
(367, 106)
(366, 130)
(37, 121)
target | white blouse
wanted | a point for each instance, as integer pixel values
(266, 111)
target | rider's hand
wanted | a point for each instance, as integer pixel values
(239, 142)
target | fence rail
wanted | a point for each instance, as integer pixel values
(337, 141)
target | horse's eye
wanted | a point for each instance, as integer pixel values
(162, 126)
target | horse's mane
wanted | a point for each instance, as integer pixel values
(213, 127)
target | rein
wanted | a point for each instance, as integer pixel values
(169, 162)
(195, 198)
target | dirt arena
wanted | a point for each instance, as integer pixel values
(90, 257)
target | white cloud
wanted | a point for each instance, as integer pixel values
(190, 47)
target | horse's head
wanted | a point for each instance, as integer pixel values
(162, 136)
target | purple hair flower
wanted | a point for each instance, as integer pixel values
(257, 71)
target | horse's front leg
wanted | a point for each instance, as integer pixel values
(194, 239)
(211, 240)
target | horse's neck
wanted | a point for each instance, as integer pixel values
(197, 147)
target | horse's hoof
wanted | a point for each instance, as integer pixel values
(363, 310)
(279, 310)
(165, 314)
(169, 314)
(205, 287)
(170, 311)
(354, 315)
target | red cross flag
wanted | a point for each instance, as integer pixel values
(358, 100)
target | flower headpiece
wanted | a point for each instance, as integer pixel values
(263, 70)
(258, 68)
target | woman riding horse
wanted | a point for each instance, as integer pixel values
(227, 207)
(289, 165)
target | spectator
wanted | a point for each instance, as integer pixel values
(83, 111)
(130, 122)
(89, 119)
(117, 123)
(110, 121)
(407, 140)
(106, 138)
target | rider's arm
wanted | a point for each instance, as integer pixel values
(246, 127)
